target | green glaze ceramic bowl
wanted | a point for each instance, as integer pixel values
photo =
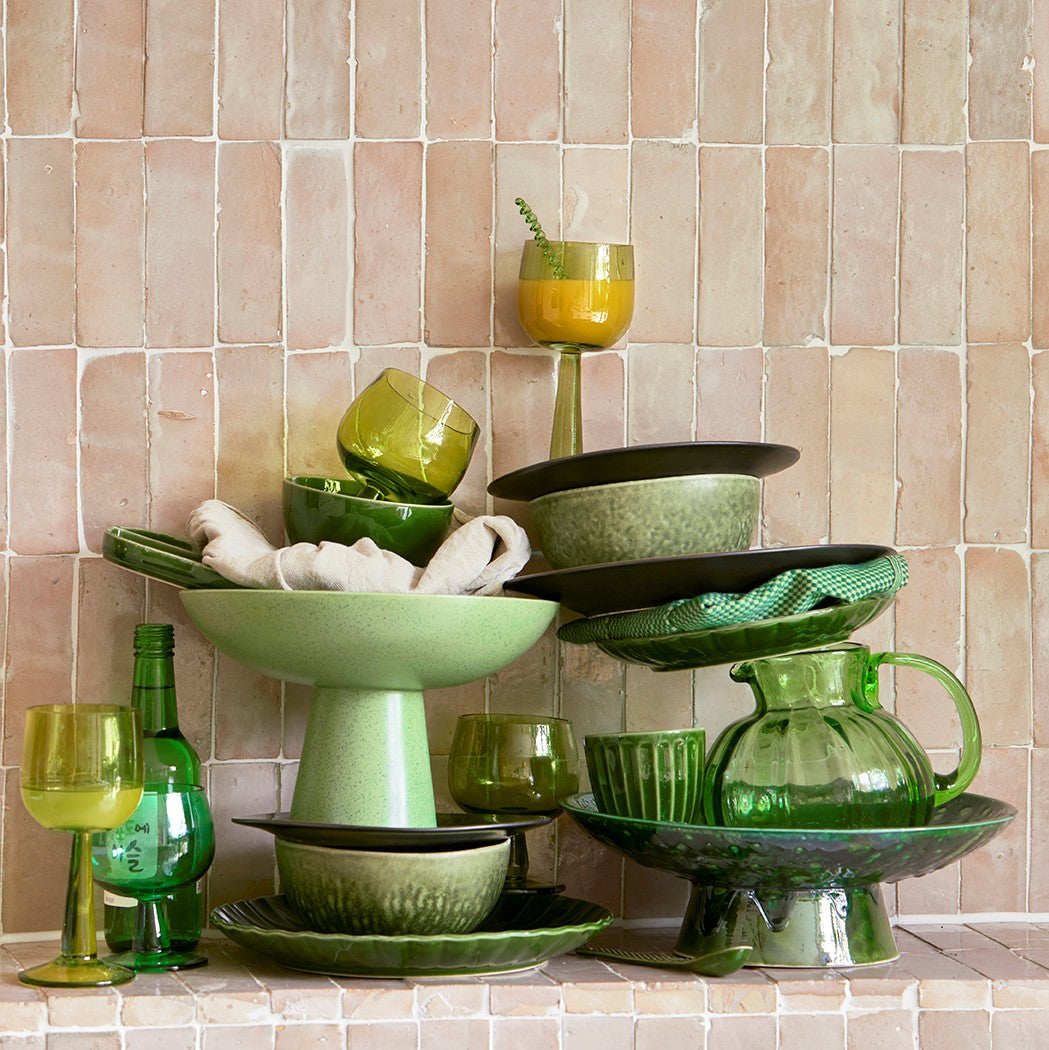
(370, 891)
(648, 776)
(650, 518)
(369, 641)
(318, 509)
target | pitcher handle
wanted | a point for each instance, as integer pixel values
(950, 784)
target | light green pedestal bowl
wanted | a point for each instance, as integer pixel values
(365, 758)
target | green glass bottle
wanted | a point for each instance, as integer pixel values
(169, 758)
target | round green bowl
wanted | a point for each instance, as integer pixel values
(370, 891)
(649, 518)
(318, 509)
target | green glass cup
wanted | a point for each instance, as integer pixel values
(514, 763)
(648, 776)
(404, 440)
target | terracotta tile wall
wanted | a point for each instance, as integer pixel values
(222, 217)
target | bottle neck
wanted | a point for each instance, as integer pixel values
(153, 681)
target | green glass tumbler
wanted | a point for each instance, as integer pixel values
(406, 441)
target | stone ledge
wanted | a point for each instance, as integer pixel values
(987, 982)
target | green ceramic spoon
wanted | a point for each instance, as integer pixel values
(718, 963)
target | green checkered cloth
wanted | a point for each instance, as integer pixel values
(791, 592)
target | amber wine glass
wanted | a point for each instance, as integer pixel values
(81, 772)
(516, 764)
(576, 297)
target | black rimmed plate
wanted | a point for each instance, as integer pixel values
(522, 931)
(453, 830)
(619, 586)
(161, 557)
(635, 462)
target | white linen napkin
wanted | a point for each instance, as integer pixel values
(476, 558)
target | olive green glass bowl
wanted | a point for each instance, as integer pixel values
(371, 891)
(649, 518)
(318, 509)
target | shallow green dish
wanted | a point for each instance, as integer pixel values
(161, 557)
(747, 641)
(792, 859)
(521, 932)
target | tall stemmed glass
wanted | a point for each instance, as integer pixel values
(574, 296)
(168, 842)
(81, 772)
(507, 763)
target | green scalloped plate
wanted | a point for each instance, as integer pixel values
(522, 931)
(748, 641)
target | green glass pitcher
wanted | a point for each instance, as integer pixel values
(820, 752)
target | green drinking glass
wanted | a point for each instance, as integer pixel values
(518, 764)
(406, 441)
(167, 843)
(81, 772)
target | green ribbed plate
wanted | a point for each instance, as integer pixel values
(522, 931)
(748, 641)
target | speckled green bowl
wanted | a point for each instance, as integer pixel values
(318, 509)
(369, 891)
(651, 518)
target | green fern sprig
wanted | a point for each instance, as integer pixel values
(540, 238)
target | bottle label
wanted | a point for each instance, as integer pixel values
(133, 847)
(114, 900)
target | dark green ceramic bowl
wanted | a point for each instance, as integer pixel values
(318, 509)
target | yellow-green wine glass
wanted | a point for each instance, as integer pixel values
(81, 772)
(514, 763)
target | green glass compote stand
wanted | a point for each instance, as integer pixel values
(365, 758)
(801, 897)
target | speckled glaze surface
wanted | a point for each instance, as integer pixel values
(318, 509)
(522, 931)
(650, 518)
(369, 641)
(365, 758)
(652, 776)
(370, 891)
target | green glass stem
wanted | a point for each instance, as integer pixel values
(78, 931)
(517, 869)
(566, 438)
(151, 935)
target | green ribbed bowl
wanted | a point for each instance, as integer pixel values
(371, 891)
(648, 776)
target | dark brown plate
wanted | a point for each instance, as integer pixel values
(453, 830)
(619, 586)
(635, 462)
